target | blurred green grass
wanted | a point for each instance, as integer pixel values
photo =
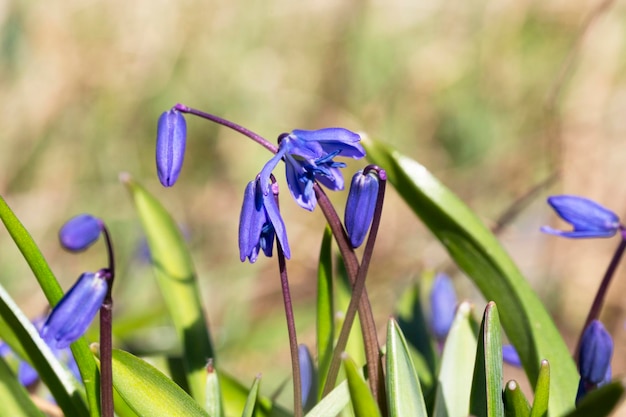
(463, 87)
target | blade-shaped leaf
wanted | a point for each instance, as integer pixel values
(148, 391)
(253, 395)
(602, 401)
(542, 391)
(13, 396)
(178, 284)
(404, 393)
(362, 400)
(478, 253)
(457, 367)
(325, 310)
(52, 290)
(213, 397)
(333, 403)
(235, 395)
(515, 402)
(486, 397)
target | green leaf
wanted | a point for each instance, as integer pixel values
(363, 402)
(333, 403)
(479, 254)
(602, 401)
(542, 391)
(235, 395)
(404, 393)
(52, 290)
(177, 281)
(14, 397)
(515, 402)
(486, 396)
(457, 366)
(325, 310)
(253, 395)
(148, 391)
(213, 397)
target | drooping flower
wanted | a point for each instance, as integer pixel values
(71, 317)
(80, 232)
(308, 377)
(594, 360)
(510, 355)
(170, 146)
(259, 222)
(360, 206)
(588, 218)
(308, 156)
(443, 303)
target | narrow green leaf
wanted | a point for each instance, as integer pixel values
(404, 393)
(52, 290)
(213, 397)
(363, 402)
(542, 391)
(602, 401)
(515, 402)
(486, 396)
(148, 391)
(13, 396)
(325, 310)
(333, 403)
(253, 395)
(479, 254)
(57, 378)
(457, 367)
(176, 278)
(235, 395)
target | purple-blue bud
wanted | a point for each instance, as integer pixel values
(80, 232)
(588, 218)
(71, 317)
(308, 377)
(443, 303)
(510, 356)
(170, 146)
(596, 349)
(360, 206)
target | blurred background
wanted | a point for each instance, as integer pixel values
(494, 97)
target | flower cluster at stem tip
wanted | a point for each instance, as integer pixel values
(588, 218)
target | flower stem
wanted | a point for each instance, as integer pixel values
(598, 301)
(368, 326)
(238, 128)
(106, 323)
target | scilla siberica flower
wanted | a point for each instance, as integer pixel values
(588, 218)
(308, 156)
(360, 206)
(71, 317)
(260, 220)
(170, 146)
(594, 360)
(80, 232)
(443, 303)
(308, 377)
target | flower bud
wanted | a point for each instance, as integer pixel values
(588, 218)
(443, 303)
(596, 349)
(80, 232)
(360, 206)
(308, 377)
(510, 356)
(71, 317)
(170, 146)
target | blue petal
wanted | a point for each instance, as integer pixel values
(596, 349)
(71, 317)
(333, 180)
(26, 374)
(273, 213)
(443, 303)
(588, 218)
(80, 232)
(360, 206)
(300, 186)
(251, 223)
(308, 376)
(170, 146)
(510, 356)
(334, 139)
(573, 234)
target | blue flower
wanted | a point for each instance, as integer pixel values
(70, 318)
(443, 303)
(360, 206)
(510, 355)
(308, 156)
(588, 218)
(80, 232)
(170, 146)
(308, 377)
(259, 222)
(594, 360)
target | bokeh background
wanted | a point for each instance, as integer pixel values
(496, 98)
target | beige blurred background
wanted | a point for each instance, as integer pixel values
(492, 96)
